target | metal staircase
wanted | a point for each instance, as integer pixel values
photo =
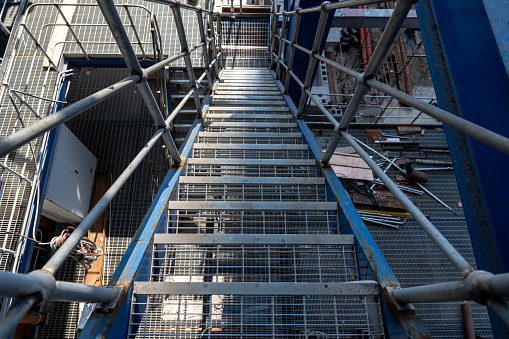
(251, 233)
(251, 247)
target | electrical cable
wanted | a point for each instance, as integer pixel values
(85, 253)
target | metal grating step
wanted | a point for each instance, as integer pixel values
(243, 110)
(250, 127)
(252, 91)
(249, 103)
(246, 97)
(273, 118)
(240, 88)
(252, 222)
(252, 206)
(278, 169)
(251, 151)
(251, 180)
(227, 258)
(278, 315)
(222, 190)
(250, 138)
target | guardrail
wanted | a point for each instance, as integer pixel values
(480, 286)
(40, 285)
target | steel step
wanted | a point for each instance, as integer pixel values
(293, 147)
(251, 162)
(265, 87)
(229, 103)
(252, 206)
(364, 287)
(253, 239)
(247, 135)
(252, 92)
(249, 124)
(249, 116)
(237, 97)
(260, 119)
(252, 109)
(251, 180)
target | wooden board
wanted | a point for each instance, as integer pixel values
(350, 166)
(345, 159)
(353, 173)
(403, 130)
(97, 232)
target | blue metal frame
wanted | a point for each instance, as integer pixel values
(470, 81)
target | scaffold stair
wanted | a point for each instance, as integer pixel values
(252, 247)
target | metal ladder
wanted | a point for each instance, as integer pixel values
(251, 247)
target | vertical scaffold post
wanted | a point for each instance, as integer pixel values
(295, 34)
(177, 15)
(379, 55)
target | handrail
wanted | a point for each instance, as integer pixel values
(477, 283)
(40, 285)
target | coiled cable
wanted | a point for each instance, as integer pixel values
(85, 252)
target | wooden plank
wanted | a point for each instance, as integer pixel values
(97, 232)
(353, 172)
(346, 159)
(403, 130)
(59, 33)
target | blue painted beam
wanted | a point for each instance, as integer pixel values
(470, 80)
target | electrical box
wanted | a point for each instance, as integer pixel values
(71, 178)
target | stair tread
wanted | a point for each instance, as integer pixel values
(252, 180)
(253, 205)
(364, 287)
(251, 146)
(254, 239)
(266, 162)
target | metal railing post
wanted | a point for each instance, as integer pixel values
(177, 15)
(379, 55)
(324, 13)
(68, 24)
(212, 35)
(272, 37)
(295, 34)
(220, 43)
(131, 21)
(281, 46)
(115, 24)
(205, 52)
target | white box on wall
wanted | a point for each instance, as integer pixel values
(71, 179)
